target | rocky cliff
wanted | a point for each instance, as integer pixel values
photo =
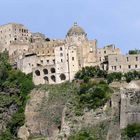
(50, 113)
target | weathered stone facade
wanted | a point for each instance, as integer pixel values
(33, 52)
(123, 63)
(13, 32)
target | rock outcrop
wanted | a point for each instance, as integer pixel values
(52, 116)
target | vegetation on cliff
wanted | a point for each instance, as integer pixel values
(95, 72)
(92, 133)
(14, 89)
(92, 95)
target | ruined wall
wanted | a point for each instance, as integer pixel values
(123, 63)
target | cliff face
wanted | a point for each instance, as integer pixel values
(50, 113)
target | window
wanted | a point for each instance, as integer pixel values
(54, 61)
(61, 49)
(45, 71)
(46, 78)
(61, 60)
(41, 61)
(136, 58)
(136, 66)
(129, 66)
(116, 59)
(104, 52)
(73, 58)
(52, 70)
(37, 72)
(120, 67)
(61, 54)
(47, 61)
(127, 59)
(53, 78)
(62, 77)
(115, 68)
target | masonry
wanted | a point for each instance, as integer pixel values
(54, 61)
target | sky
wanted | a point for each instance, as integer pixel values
(109, 21)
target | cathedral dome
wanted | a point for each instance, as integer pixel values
(76, 30)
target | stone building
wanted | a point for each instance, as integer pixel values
(55, 61)
(123, 63)
(13, 32)
(103, 54)
(68, 56)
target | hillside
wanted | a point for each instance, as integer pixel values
(95, 106)
(54, 113)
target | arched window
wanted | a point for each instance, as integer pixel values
(53, 78)
(45, 71)
(46, 78)
(62, 77)
(52, 70)
(37, 72)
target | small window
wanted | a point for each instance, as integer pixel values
(61, 54)
(104, 52)
(120, 67)
(136, 58)
(54, 61)
(127, 59)
(129, 66)
(61, 49)
(136, 66)
(73, 58)
(47, 61)
(61, 60)
(115, 68)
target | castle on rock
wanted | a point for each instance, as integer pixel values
(56, 61)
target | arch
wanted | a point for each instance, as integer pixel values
(45, 71)
(53, 78)
(46, 78)
(52, 70)
(62, 77)
(37, 72)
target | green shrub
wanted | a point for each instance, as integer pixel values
(132, 130)
(93, 95)
(22, 84)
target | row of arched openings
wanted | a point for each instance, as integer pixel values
(53, 78)
(45, 71)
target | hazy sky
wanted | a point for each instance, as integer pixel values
(108, 21)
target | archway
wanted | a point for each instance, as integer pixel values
(52, 70)
(37, 72)
(53, 78)
(62, 77)
(45, 71)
